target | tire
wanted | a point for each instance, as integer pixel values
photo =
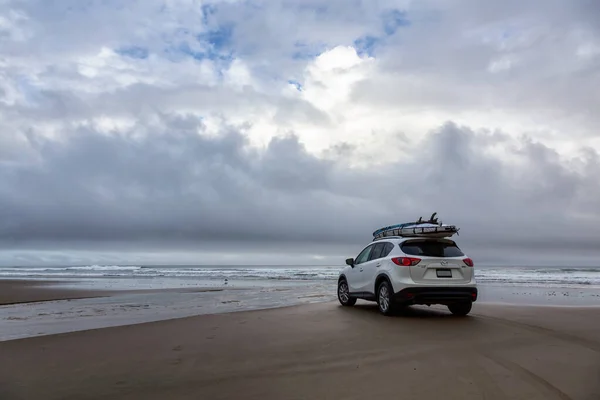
(384, 298)
(460, 309)
(343, 293)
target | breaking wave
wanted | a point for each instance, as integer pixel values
(518, 276)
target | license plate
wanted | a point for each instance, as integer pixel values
(444, 273)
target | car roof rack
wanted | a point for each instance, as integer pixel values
(411, 237)
(389, 237)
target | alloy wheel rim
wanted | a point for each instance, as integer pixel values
(384, 300)
(343, 292)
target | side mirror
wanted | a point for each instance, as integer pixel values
(350, 262)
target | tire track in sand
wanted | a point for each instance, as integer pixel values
(589, 344)
(527, 375)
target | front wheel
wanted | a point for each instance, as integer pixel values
(460, 309)
(344, 294)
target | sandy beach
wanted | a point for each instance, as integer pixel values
(319, 351)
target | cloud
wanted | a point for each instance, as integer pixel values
(176, 187)
(296, 128)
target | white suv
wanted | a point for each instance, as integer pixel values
(401, 271)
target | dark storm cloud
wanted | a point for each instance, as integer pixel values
(175, 186)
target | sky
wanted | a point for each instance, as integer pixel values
(287, 131)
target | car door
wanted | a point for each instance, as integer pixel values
(354, 275)
(370, 268)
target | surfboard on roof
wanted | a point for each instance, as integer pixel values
(420, 228)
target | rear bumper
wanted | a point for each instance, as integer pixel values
(436, 295)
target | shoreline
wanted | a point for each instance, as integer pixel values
(49, 307)
(15, 291)
(23, 291)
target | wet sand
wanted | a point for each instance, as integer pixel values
(28, 291)
(32, 291)
(319, 351)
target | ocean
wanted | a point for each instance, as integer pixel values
(557, 277)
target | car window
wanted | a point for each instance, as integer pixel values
(364, 255)
(387, 249)
(431, 248)
(376, 253)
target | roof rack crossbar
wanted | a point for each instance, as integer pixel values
(389, 237)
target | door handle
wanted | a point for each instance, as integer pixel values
(377, 265)
(361, 270)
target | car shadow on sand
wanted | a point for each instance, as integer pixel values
(412, 312)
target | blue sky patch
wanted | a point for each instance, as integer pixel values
(212, 45)
(218, 39)
(185, 48)
(366, 45)
(206, 53)
(296, 84)
(207, 11)
(391, 22)
(394, 19)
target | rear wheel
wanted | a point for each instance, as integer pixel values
(344, 294)
(460, 309)
(384, 298)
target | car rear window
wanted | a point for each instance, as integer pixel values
(431, 248)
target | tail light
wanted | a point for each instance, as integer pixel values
(469, 262)
(406, 261)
